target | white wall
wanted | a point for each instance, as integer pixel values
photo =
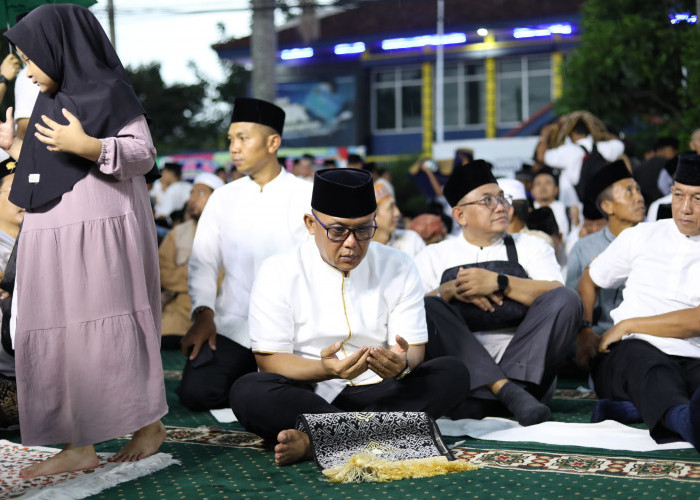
(506, 154)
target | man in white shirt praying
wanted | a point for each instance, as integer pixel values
(511, 363)
(651, 356)
(243, 223)
(338, 324)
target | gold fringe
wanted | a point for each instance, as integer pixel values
(366, 467)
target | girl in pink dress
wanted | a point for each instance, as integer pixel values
(87, 291)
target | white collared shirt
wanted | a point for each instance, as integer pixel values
(534, 255)
(662, 269)
(300, 305)
(173, 198)
(240, 227)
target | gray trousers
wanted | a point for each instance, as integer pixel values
(532, 358)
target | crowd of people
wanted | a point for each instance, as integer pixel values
(306, 290)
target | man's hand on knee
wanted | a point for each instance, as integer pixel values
(201, 331)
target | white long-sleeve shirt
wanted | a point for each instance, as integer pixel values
(240, 227)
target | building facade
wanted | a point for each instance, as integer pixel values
(371, 78)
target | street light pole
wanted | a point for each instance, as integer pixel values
(110, 16)
(440, 75)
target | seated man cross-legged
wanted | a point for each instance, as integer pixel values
(512, 361)
(651, 356)
(338, 324)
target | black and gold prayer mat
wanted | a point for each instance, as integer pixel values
(637, 468)
(355, 447)
(213, 436)
(394, 436)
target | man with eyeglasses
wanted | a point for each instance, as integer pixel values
(243, 223)
(511, 363)
(651, 356)
(339, 325)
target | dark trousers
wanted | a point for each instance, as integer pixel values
(267, 403)
(538, 347)
(655, 382)
(207, 386)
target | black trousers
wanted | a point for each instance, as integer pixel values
(267, 403)
(655, 382)
(207, 387)
(533, 356)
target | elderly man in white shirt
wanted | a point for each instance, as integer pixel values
(513, 361)
(656, 366)
(243, 223)
(339, 325)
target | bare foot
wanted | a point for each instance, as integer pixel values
(293, 446)
(69, 460)
(144, 443)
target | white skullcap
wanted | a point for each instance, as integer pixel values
(513, 187)
(209, 179)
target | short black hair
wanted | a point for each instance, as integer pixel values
(521, 210)
(173, 167)
(353, 158)
(549, 171)
(580, 128)
(370, 167)
(666, 142)
(329, 163)
(219, 170)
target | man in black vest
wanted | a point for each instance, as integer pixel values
(512, 358)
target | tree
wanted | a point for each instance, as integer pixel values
(172, 110)
(628, 69)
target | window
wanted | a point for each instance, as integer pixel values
(524, 86)
(464, 95)
(397, 102)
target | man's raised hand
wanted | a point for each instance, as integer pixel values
(347, 368)
(388, 363)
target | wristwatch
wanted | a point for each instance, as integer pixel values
(502, 282)
(405, 372)
(4, 80)
(586, 324)
(197, 311)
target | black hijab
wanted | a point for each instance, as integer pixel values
(68, 44)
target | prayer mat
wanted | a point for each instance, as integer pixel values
(9, 416)
(381, 446)
(214, 436)
(609, 435)
(70, 485)
(580, 464)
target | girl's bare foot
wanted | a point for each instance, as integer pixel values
(144, 443)
(69, 460)
(293, 446)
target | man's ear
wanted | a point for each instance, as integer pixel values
(274, 141)
(309, 222)
(607, 207)
(459, 215)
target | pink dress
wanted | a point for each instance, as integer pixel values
(88, 304)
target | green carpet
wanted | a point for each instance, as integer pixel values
(210, 471)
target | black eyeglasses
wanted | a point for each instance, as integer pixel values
(491, 201)
(341, 233)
